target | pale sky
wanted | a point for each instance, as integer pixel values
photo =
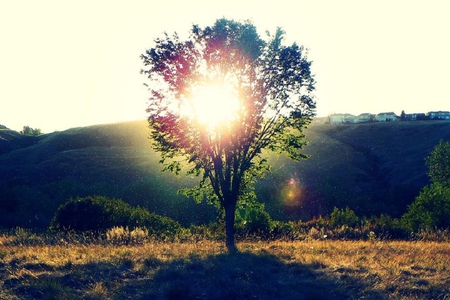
(66, 64)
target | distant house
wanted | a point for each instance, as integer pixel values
(364, 118)
(387, 117)
(415, 117)
(439, 115)
(342, 118)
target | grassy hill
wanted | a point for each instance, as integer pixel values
(373, 168)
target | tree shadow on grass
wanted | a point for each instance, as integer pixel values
(238, 276)
(248, 276)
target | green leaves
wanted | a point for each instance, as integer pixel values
(438, 163)
(27, 130)
(274, 85)
(431, 208)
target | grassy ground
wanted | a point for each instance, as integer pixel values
(316, 269)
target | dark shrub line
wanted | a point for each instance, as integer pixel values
(102, 220)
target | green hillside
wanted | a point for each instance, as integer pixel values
(373, 168)
(113, 160)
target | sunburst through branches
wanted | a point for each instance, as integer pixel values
(212, 104)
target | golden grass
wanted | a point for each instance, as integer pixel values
(263, 270)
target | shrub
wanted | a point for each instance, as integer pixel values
(253, 220)
(156, 224)
(213, 231)
(91, 214)
(99, 213)
(341, 217)
(430, 210)
(289, 230)
(438, 163)
(385, 226)
(318, 222)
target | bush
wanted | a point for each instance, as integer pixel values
(91, 214)
(341, 217)
(289, 230)
(253, 220)
(385, 226)
(156, 224)
(430, 210)
(438, 163)
(99, 213)
(214, 231)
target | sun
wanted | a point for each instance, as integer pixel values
(213, 104)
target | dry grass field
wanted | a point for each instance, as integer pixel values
(310, 269)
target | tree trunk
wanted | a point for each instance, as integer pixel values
(230, 211)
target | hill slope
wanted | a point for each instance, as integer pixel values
(373, 168)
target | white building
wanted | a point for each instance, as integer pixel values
(342, 118)
(439, 115)
(387, 117)
(364, 118)
(414, 116)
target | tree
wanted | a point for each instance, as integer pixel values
(341, 217)
(221, 97)
(432, 207)
(403, 115)
(438, 163)
(27, 130)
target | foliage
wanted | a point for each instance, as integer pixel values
(438, 163)
(431, 209)
(91, 214)
(27, 130)
(273, 84)
(385, 227)
(253, 220)
(99, 213)
(341, 217)
(339, 225)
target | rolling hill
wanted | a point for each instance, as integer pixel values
(373, 168)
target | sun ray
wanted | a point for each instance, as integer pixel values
(212, 104)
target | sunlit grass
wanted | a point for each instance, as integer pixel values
(203, 270)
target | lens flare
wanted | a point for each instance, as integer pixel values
(291, 192)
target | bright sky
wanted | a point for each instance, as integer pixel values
(65, 64)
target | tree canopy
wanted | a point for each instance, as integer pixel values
(431, 209)
(438, 163)
(262, 101)
(27, 130)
